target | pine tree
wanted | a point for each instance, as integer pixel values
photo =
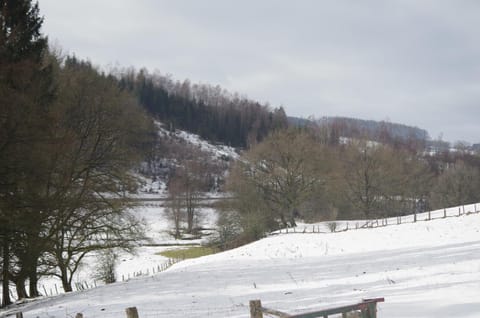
(20, 37)
(21, 51)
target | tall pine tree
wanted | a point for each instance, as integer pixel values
(22, 92)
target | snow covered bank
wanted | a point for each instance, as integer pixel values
(425, 269)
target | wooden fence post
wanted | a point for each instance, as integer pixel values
(19, 314)
(132, 312)
(256, 309)
(372, 310)
(79, 315)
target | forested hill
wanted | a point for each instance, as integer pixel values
(381, 131)
(351, 127)
(209, 111)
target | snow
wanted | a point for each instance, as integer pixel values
(158, 225)
(218, 151)
(423, 269)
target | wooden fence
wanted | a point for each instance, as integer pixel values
(130, 312)
(366, 309)
(343, 226)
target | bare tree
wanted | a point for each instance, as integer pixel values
(457, 185)
(190, 180)
(97, 127)
(363, 177)
(380, 180)
(284, 172)
(175, 212)
(68, 198)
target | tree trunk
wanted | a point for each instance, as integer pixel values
(177, 227)
(20, 286)
(292, 222)
(67, 286)
(189, 220)
(293, 214)
(190, 212)
(33, 284)
(5, 268)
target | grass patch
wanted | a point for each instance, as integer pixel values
(191, 252)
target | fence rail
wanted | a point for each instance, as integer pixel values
(130, 312)
(365, 309)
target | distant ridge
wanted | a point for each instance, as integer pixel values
(354, 127)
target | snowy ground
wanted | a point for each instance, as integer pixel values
(423, 269)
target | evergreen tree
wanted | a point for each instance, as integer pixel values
(22, 90)
(204, 110)
(20, 37)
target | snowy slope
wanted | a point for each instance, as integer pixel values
(156, 188)
(217, 151)
(424, 269)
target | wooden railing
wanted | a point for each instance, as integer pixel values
(131, 312)
(366, 309)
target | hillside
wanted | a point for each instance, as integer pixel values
(423, 269)
(209, 111)
(359, 128)
(171, 150)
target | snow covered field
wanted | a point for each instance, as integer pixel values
(423, 269)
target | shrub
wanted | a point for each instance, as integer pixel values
(105, 268)
(332, 226)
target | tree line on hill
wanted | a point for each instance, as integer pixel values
(310, 172)
(382, 131)
(209, 111)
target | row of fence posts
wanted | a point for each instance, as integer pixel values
(131, 312)
(374, 223)
(81, 286)
(155, 269)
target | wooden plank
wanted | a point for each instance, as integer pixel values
(363, 306)
(275, 312)
(327, 312)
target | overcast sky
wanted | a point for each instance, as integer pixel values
(413, 62)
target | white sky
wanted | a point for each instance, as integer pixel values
(415, 62)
